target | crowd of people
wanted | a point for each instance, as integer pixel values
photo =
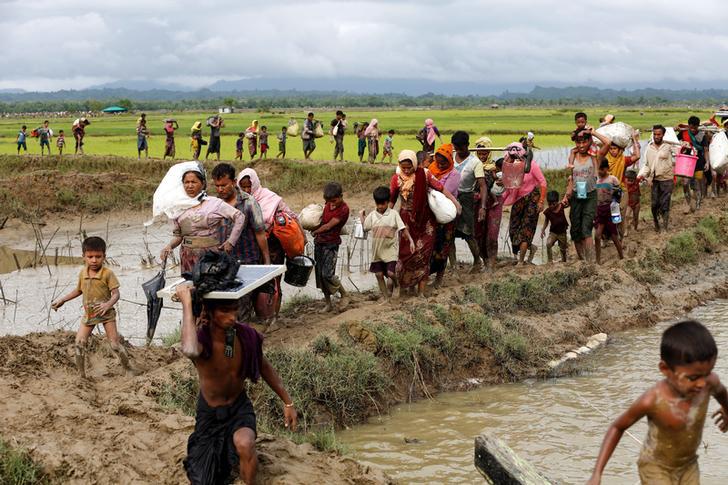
(408, 246)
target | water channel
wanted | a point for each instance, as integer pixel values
(548, 422)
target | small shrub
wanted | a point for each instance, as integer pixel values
(17, 468)
(180, 394)
(681, 249)
(172, 338)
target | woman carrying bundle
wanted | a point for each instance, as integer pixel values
(372, 135)
(427, 136)
(443, 170)
(527, 201)
(487, 230)
(169, 126)
(410, 185)
(196, 229)
(251, 133)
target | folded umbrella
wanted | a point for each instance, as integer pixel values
(154, 303)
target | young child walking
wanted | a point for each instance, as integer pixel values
(633, 199)
(675, 407)
(264, 142)
(327, 239)
(21, 139)
(282, 143)
(555, 215)
(388, 146)
(385, 225)
(100, 290)
(239, 146)
(61, 142)
(607, 189)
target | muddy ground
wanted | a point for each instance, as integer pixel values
(110, 429)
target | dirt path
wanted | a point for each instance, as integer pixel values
(110, 429)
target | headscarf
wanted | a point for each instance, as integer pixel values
(372, 126)
(199, 170)
(253, 128)
(170, 198)
(406, 182)
(267, 199)
(485, 142)
(513, 151)
(446, 151)
(197, 126)
(430, 129)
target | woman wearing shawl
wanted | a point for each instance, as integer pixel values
(372, 135)
(427, 136)
(443, 169)
(411, 185)
(251, 133)
(527, 201)
(488, 229)
(169, 126)
(196, 229)
(270, 204)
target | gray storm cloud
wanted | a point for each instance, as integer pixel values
(74, 44)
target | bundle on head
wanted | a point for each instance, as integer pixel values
(214, 271)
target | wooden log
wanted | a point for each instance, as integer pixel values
(500, 465)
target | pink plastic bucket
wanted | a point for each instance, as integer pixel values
(685, 165)
(513, 174)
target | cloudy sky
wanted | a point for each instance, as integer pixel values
(57, 44)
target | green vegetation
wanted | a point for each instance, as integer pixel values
(17, 468)
(172, 338)
(686, 247)
(648, 269)
(181, 393)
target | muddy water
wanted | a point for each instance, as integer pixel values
(546, 422)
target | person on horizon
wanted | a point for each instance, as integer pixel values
(61, 142)
(100, 290)
(251, 133)
(79, 132)
(338, 128)
(372, 133)
(388, 146)
(225, 353)
(361, 143)
(44, 137)
(608, 190)
(239, 146)
(21, 139)
(196, 140)
(426, 136)
(170, 125)
(634, 194)
(658, 171)
(555, 214)
(264, 142)
(327, 239)
(142, 137)
(216, 124)
(282, 142)
(385, 225)
(675, 407)
(308, 137)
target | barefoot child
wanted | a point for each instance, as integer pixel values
(388, 146)
(327, 238)
(555, 215)
(239, 146)
(385, 224)
(675, 407)
(225, 353)
(633, 198)
(61, 142)
(263, 142)
(607, 187)
(282, 143)
(100, 290)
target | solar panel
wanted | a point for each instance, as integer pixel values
(250, 276)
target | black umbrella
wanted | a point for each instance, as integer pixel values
(154, 303)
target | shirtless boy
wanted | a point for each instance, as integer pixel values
(675, 407)
(225, 353)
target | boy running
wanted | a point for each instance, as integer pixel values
(100, 290)
(385, 224)
(225, 352)
(676, 408)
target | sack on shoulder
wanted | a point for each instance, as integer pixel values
(444, 210)
(318, 130)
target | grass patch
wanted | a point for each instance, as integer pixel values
(172, 338)
(292, 306)
(17, 468)
(181, 393)
(534, 294)
(648, 269)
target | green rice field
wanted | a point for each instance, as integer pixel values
(115, 134)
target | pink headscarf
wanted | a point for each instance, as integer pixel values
(514, 150)
(430, 128)
(267, 199)
(372, 126)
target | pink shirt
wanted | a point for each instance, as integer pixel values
(531, 180)
(451, 182)
(204, 220)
